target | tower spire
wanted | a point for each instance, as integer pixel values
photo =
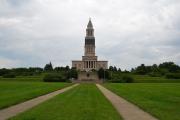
(89, 60)
(90, 25)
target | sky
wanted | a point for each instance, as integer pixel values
(128, 32)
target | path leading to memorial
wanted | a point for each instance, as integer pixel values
(127, 110)
(16, 109)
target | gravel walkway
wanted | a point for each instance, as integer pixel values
(127, 110)
(16, 109)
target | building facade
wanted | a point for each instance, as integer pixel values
(89, 60)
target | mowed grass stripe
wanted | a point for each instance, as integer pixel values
(160, 99)
(15, 92)
(84, 102)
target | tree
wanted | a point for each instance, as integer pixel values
(174, 68)
(169, 67)
(141, 69)
(48, 67)
(103, 74)
(115, 69)
(111, 68)
(4, 71)
(73, 73)
(67, 68)
(119, 70)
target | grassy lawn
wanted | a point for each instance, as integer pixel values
(36, 78)
(160, 99)
(149, 79)
(16, 92)
(84, 102)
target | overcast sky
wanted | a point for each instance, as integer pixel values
(128, 32)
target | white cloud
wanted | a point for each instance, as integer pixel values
(128, 33)
(8, 63)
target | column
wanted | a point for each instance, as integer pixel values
(84, 65)
(88, 64)
(91, 64)
(94, 64)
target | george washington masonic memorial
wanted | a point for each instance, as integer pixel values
(89, 61)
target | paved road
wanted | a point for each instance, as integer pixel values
(16, 109)
(127, 110)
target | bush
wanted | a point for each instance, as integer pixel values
(54, 78)
(4, 71)
(9, 75)
(154, 74)
(127, 79)
(116, 81)
(122, 79)
(103, 74)
(73, 73)
(173, 75)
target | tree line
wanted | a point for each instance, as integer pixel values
(167, 69)
(65, 72)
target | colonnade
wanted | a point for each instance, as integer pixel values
(90, 64)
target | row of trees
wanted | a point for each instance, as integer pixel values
(49, 67)
(167, 69)
(65, 72)
(21, 71)
(161, 69)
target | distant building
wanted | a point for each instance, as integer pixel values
(89, 60)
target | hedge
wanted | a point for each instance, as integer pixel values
(173, 75)
(54, 78)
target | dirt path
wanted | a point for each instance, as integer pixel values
(16, 109)
(127, 110)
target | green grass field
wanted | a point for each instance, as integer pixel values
(149, 79)
(16, 92)
(84, 102)
(36, 78)
(160, 99)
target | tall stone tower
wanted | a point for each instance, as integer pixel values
(89, 60)
(89, 40)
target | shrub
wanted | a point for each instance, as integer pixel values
(73, 73)
(9, 75)
(4, 71)
(127, 79)
(54, 78)
(116, 81)
(123, 79)
(173, 75)
(155, 74)
(103, 74)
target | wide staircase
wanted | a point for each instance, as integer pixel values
(88, 77)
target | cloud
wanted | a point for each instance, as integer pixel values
(8, 63)
(127, 33)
